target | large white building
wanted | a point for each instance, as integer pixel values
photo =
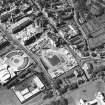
(4, 74)
(58, 61)
(98, 100)
(25, 93)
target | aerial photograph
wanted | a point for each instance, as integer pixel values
(52, 52)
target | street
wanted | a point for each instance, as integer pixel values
(29, 53)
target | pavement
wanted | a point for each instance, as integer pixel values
(7, 97)
(16, 42)
(86, 91)
(32, 56)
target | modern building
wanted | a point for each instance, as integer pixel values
(17, 60)
(28, 88)
(20, 25)
(57, 62)
(4, 74)
(98, 100)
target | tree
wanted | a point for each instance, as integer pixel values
(63, 101)
(74, 86)
(63, 90)
(80, 82)
(93, 54)
(59, 81)
(49, 94)
(56, 86)
(53, 103)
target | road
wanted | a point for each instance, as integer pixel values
(76, 20)
(77, 58)
(16, 42)
(34, 57)
(51, 22)
(53, 26)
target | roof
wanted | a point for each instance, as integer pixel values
(4, 74)
(26, 93)
(98, 41)
(38, 82)
(20, 24)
